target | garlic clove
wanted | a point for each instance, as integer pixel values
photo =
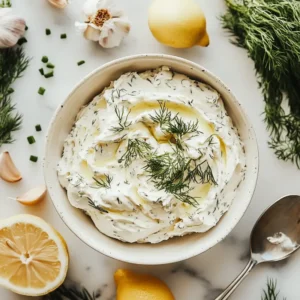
(59, 3)
(113, 32)
(8, 170)
(92, 33)
(33, 196)
(12, 28)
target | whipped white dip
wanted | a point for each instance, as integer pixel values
(154, 156)
(285, 243)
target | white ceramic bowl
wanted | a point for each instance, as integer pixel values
(175, 249)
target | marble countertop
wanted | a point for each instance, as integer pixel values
(201, 277)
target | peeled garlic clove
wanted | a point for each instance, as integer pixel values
(59, 3)
(12, 28)
(8, 170)
(113, 32)
(33, 196)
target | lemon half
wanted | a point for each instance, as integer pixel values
(34, 257)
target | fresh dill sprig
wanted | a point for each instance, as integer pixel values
(174, 125)
(98, 207)
(71, 293)
(174, 172)
(163, 115)
(13, 63)
(201, 173)
(103, 183)
(271, 292)
(136, 148)
(123, 120)
(178, 127)
(270, 31)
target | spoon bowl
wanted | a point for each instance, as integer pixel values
(280, 223)
(281, 217)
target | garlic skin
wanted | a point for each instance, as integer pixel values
(104, 23)
(8, 170)
(59, 3)
(12, 28)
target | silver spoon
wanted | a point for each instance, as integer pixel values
(281, 217)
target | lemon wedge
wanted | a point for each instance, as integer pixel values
(34, 257)
(133, 286)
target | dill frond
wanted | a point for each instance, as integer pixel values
(135, 149)
(179, 128)
(70, 293)
(122, 120)
(163, 115)
(103, 183)
(13, 63)
(271, 292)
(93, 205)
(270, 32)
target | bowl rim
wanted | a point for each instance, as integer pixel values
(189, 64)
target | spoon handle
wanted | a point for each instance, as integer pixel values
(231, 288)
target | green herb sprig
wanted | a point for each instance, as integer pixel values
(71, 293)
(270, 31)
(98, 207)
(122, 120)
(136, 148)
(271, 292)
(103, 183)
(13, 63)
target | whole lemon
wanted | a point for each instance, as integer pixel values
(133, 286)
(178, 23)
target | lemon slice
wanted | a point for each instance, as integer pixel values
(34, 257)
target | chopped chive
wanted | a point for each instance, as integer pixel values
(38, 127)
(33, 158)
(41, 91)
(41, 71)
(45, 59)
(63, 36)
(22, 40)
(48, 31)
(49, 74)
(50, 66)
(26, 27)
(31, 140)
(81, 63)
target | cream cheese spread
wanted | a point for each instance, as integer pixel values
(154, 156)
(285, 243)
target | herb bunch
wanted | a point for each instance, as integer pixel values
(13, 63)
(270, 31)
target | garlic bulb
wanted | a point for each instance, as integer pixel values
(8, 170)
(59, 3)
(104, 23)
(12, 28)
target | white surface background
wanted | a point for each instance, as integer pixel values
(199, 277)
